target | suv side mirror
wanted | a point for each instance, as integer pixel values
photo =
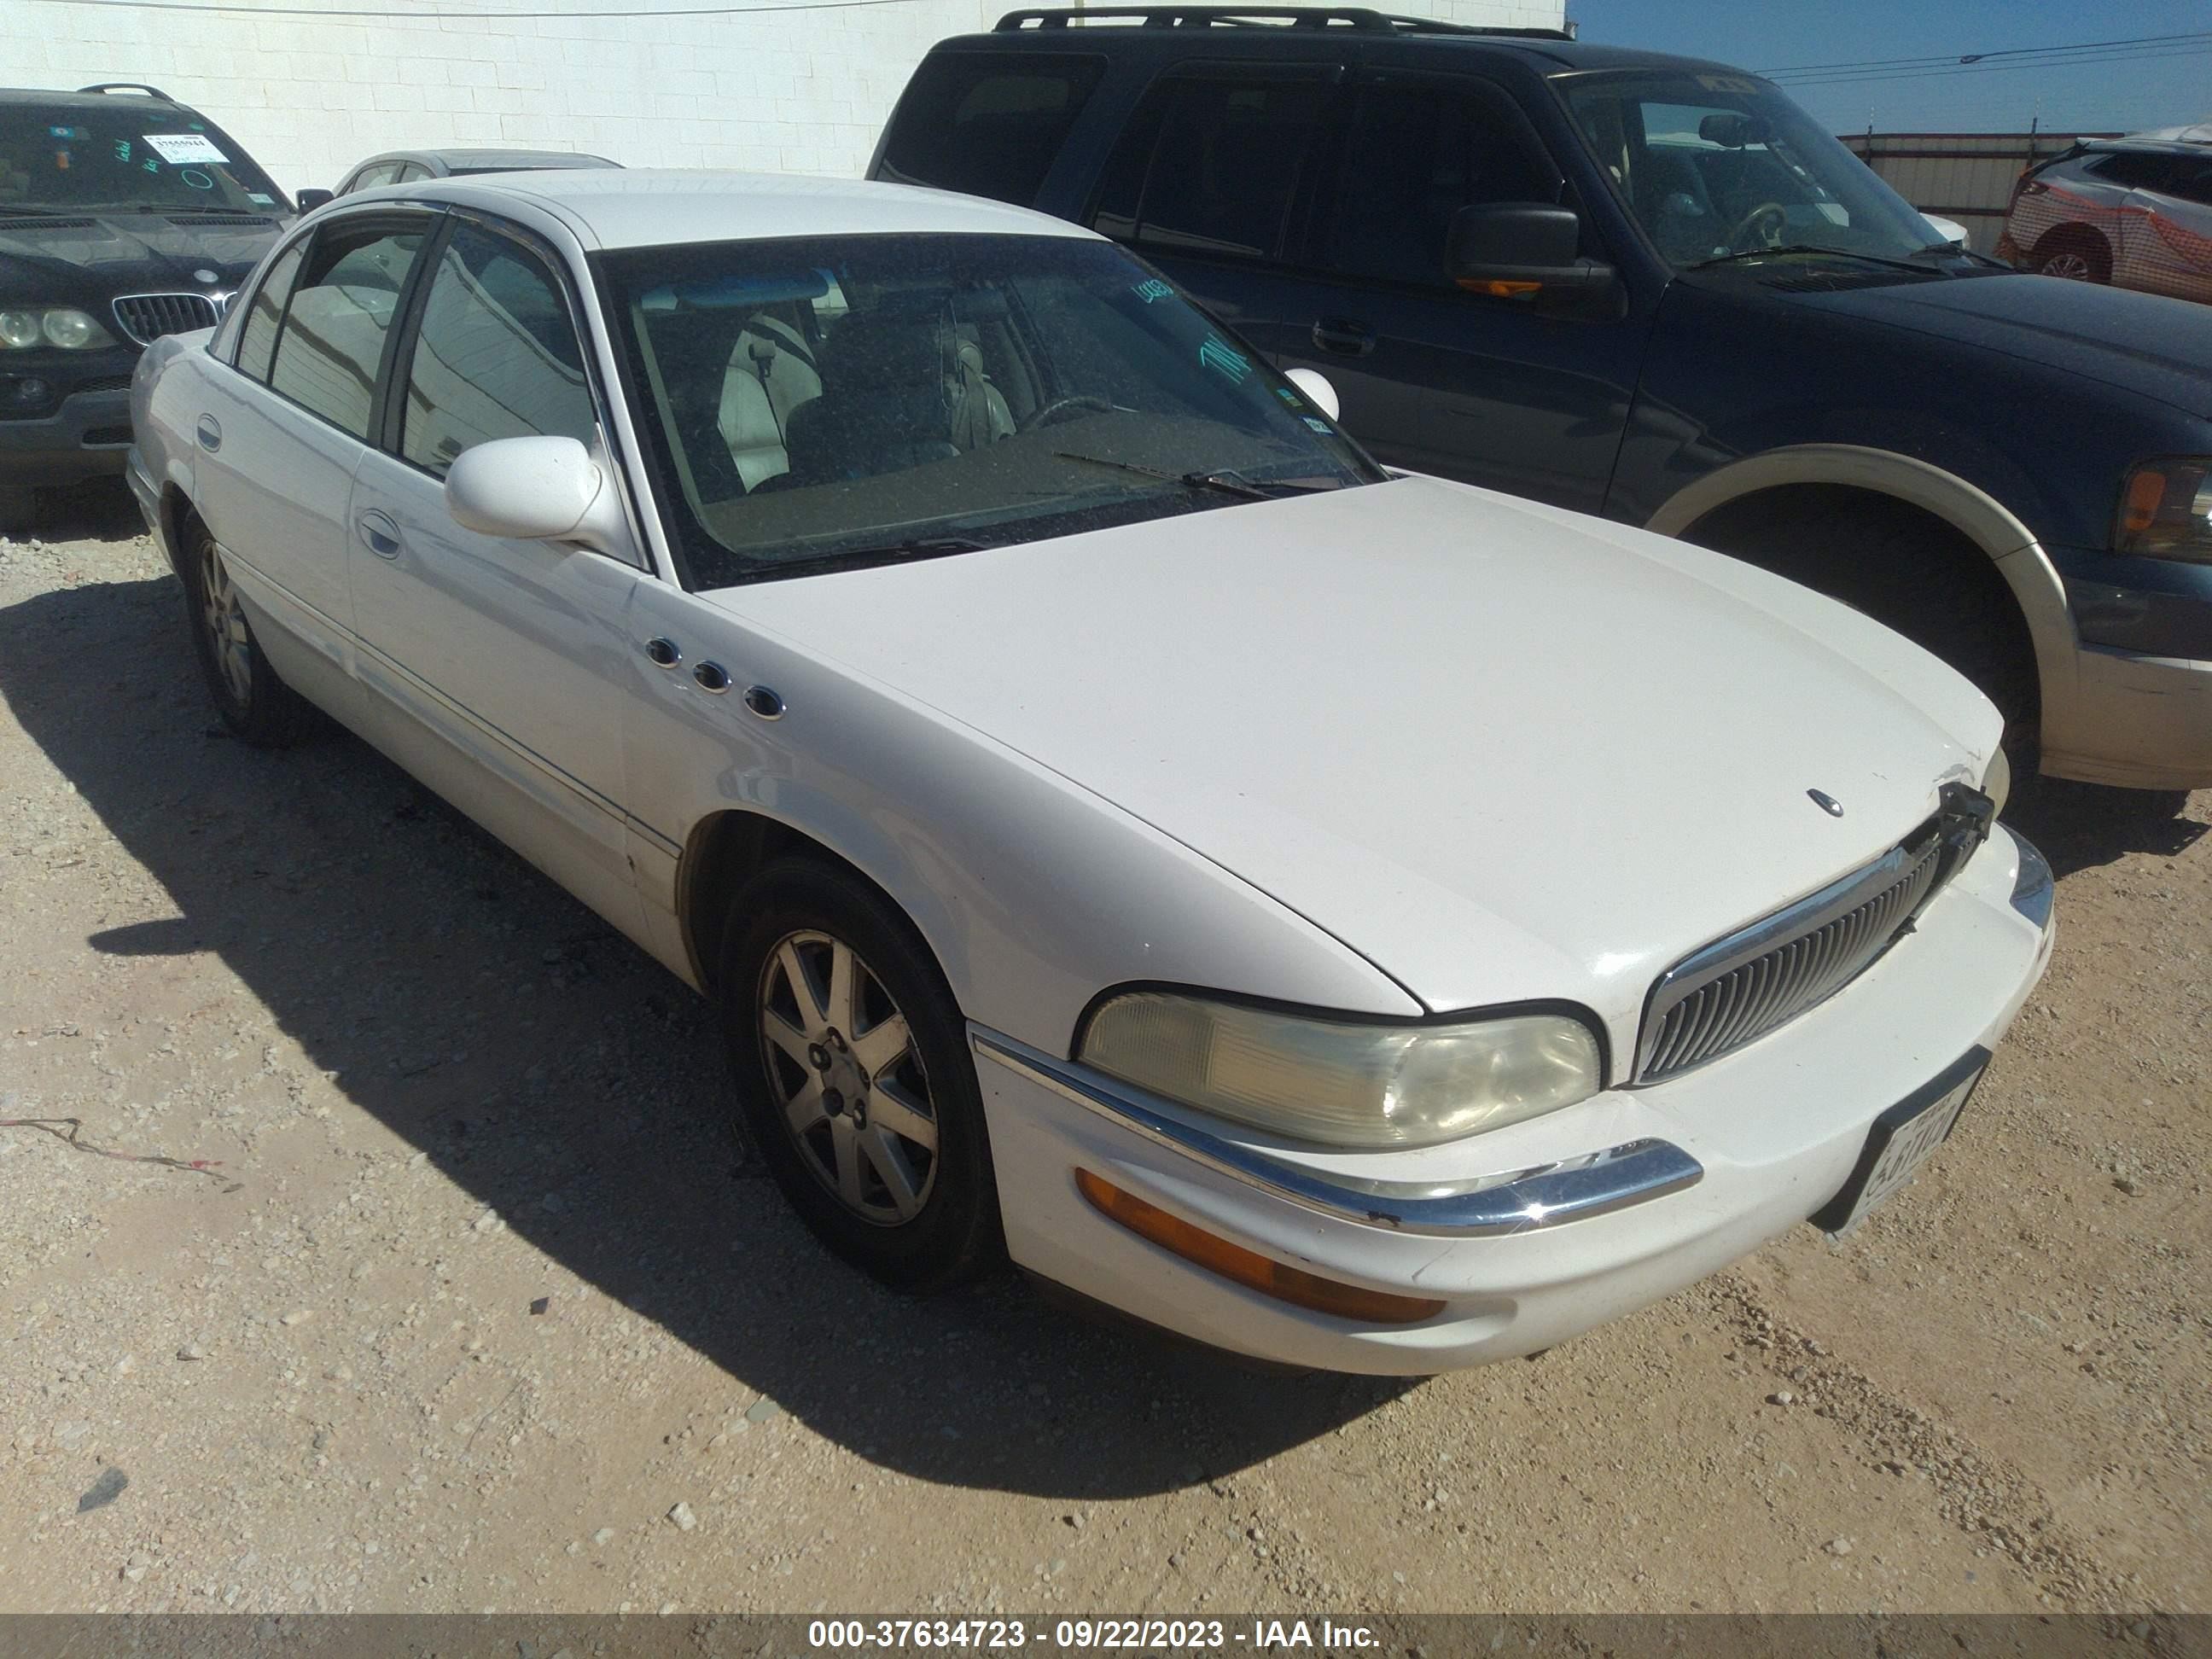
(311, 198)
(1528, 252)
(535, 489)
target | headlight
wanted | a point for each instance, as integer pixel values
(1996, 782)
(64, 327)
(2166, 510)
(1342, 1082)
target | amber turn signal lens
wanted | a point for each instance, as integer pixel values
(1248, 1267)
(2146, 492)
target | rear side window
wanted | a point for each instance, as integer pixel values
(1216, 166)
(258, 339)
(989, 124)
(334, 330)
(2136, 169)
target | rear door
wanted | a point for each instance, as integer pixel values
(2166, 236)
(279, 438)
(1213, 181)
(497, 668)
(1431, 378)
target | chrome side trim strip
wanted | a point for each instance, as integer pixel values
(1488, 1206)
(2034, 889)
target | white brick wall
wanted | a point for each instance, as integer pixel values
(805, 93)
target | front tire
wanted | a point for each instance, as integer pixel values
(853, 1073)
(256, 706)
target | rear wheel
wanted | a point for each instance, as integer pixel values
(255, 704)
(853, 1072)
(1909, 572)
(2076, 253)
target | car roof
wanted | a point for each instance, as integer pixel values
(2151, 144)
(491, 160)
(656, 207)
(1202, 31)
(53, 96)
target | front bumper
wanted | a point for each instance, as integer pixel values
(1534, 1233)
(87, 435)
(2138, 722)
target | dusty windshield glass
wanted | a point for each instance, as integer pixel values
(830, 401)
(132, 154)
(1717, 165)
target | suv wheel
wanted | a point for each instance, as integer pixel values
(2076, 253)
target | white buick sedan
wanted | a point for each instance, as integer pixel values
(1354, 920)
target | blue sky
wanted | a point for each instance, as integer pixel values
(2158, 89)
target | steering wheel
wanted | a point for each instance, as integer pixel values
(1765, 223)
(1060, 406)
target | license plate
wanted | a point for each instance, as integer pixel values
(1900, 1141)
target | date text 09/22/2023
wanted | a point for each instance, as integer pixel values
(1189, 1634)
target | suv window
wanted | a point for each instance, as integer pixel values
(1417, 153)
(496, 356)
(125, 152)
(369, 178)
(334, 329)
(1212, 164)
(988, 123)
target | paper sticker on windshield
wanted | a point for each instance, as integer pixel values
(1216, 354)
(260, 200)
(178, 147)
(1317, 424)
(65, 132)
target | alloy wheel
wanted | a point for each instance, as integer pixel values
(843, 1070)
(224, 618)
(2073, 267)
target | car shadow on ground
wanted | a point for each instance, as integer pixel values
(2078, 826)
(556, 1074)
(95, 510)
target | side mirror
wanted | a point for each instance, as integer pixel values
(535, 489)
(310, 199)
(1315, 385)
(1523, 251)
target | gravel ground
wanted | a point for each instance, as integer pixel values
(478, 1309)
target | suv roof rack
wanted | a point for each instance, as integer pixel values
(1307, 17)
(128, 85)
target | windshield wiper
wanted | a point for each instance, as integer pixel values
(914, 547)
(1223, 480)
(38, 211)
(202, 207)
(1813, 247)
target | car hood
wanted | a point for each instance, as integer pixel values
(1506, 752)
(2141, 342)
(96, 256)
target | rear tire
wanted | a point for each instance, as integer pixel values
(836, 1013)
(2075, 254)
(1908, 572)
(256, 706)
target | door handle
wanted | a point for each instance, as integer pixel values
(1345, 337)
(210, 435)
(382, 535)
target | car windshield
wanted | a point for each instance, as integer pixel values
(1721, 167)
(132, 154)
(832, 401)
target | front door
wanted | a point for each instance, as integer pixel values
(498, 667)
(1433, 379)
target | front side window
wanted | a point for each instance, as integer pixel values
(125, 153)
(1416, 154)
(819, 402)
(989, 124)
(1718, 166)
(1216, 166)
(332, 338)
(496, 356)
(258, 341)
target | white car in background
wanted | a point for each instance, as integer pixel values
(1358, 920)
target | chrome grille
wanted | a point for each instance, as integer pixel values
(1738, 989)
(146, 317)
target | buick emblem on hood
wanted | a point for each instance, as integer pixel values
(1826, 802)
